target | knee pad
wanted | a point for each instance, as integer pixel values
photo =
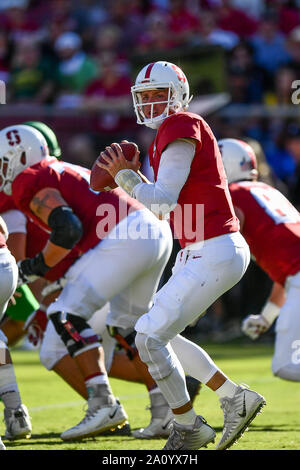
(75, 333)
(125, 339)
(156, 354)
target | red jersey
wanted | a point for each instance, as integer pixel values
(204, 208)
(36, 240)
(271, 228)
(6, 203)
(98, 212)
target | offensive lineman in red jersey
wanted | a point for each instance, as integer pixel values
(109, 230)
(189, 178)
(271, 226)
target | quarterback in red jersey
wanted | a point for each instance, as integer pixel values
(109, 229)
(190, 183)
(271, 226)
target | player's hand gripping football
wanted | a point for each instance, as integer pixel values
(116, 161)
(255, 325)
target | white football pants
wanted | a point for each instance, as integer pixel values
(8, 278)
(124, 269)
(201, 274)
(286, 358)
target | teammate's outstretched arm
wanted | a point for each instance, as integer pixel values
(66, 230)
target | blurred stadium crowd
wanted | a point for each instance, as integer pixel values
(69, 63)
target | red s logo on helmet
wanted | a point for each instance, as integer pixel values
(13, 137)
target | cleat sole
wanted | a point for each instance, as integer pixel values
(245, 427)
(96, 432)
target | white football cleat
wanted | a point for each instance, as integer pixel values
(17, 423)
(161, 418)
(96, 421)
(239, 411)
(2, 446)
(190, 437)
(161, 414)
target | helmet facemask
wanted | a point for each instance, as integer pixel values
(11, 164)
(157, 76)
(172, 104)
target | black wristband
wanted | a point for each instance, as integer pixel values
(35, 265)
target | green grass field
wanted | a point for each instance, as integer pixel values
(54, 407)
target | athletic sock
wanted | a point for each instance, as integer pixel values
(9, 391)
(96, 379)
(186, 418)
(228, 389)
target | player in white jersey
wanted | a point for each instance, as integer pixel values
(15, 413)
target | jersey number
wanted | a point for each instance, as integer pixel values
(276, 205)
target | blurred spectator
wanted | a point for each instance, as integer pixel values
(235, 20)
(31, 79)
(182, 24)
(76, 69)
(130, 22)
(269, 45)
(62, 12)
(280, 154)
(5, 56)
(292, 145)
(18, 23)
(293, 46)
(81, 150)
(109, 99)
(281, 94)
(89, 14)
(210, 34)
(156, 36)
(107, 41)
(245, 78)
(254, 8)
(289, 16)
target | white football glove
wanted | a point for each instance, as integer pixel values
(254, 325)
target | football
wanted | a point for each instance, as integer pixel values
(101, 180)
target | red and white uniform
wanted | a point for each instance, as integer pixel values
(120, 261)
(72, 181)
(206, 183)
(271, 228)
(36, 237)
(211, 261)
(8, 274)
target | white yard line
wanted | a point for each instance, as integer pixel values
(70, 404)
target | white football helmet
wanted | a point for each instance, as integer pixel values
(238, 159)
(161, 75)
(20, 146)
